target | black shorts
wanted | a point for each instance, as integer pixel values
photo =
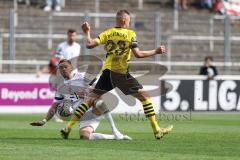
(125, 82)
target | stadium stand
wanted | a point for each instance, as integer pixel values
(194, 22)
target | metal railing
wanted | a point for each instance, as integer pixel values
(11, 62)
(197, 38)
(212, 26)
(50, 36)
(38, 63)
(33, 62)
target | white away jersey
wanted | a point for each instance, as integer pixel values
(70, 89)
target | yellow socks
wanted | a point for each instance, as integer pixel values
(80, 111)
(148, 108)
(72, 121)
(149, 112)
(154, 124)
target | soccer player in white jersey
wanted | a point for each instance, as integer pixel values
(68, 49)
(72, 91)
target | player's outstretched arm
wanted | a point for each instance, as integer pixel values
(49, 115)
(90, 43)
(142, 54)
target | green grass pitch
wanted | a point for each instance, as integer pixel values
(205, 136)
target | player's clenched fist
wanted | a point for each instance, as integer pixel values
(85, 27)
(161, 50)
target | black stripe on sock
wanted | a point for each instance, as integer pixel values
(149, 111)
(145, 105)
(78, 110)
(85, 106)
(82, 109)
(148, 108)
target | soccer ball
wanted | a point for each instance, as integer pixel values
(64, 109)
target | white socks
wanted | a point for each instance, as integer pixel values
(103, 107)
(99, 136)
(116, 133)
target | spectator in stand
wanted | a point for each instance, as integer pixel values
(27, 2)
(217, 6)
(208, 69)
(51, 69)
(182, 4)
(52, 3)
(207, 4)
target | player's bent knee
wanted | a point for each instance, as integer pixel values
(99, 107)
(90, 101)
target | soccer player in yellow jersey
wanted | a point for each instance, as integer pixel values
(118, 42)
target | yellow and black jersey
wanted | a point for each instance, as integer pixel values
(118, 43)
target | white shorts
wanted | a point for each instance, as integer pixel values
(90, 120)
(90, 123)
